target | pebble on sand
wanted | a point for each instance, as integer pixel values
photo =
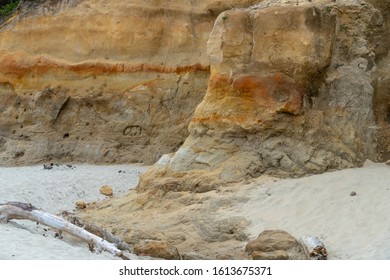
(81, 204)
(106, 190)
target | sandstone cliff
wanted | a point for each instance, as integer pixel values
(283, 87)
(296, 87)
(102, 81)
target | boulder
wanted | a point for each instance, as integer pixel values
(275, 245)
(157, 249)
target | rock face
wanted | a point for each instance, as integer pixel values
(296, 87)
(280, 87)
(199, 225)
(275, 245)
(102, 81)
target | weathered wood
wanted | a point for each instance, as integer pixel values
(101, 232)
(22, 205)
(314, 248)
(19, 210)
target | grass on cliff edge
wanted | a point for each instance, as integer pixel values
(7, 7)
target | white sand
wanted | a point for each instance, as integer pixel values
(54, 191)
(352, 227)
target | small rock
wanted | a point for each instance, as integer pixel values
(274, 255)
(81, 204)
(387, 162)
(106, 190)
(353, 194)
(157, 249)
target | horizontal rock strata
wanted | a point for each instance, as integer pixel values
(293, 90)
(102, 81)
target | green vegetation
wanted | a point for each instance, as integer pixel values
(8, 8)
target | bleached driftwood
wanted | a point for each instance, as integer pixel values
(106, 235)
(20, 210)
(314, 248)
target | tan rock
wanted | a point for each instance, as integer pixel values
(271, 240)
(193, 256)
(157, 249)
(125, 95)
(275, 244)
(106, 190)
(274, 255)
(80, 204)
(225, 257)
(278, 101)
(283, 87)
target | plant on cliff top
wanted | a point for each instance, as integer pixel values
(7, 7)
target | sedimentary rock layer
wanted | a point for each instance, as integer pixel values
(293, 90)
(283, 87)
(102, 81)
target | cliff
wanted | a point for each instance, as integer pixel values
(212, 92)
(102, 81)
(296, 87)
(280, 87)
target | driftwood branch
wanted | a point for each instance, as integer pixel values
(314, 248)
(106, 235)
(19, 210)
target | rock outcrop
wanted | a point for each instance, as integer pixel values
(214, 91)
(280, 87)
(296, 87)
(102, 81)
(197, 225)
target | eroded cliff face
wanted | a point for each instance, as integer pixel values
(296, 87)
(283, 87)
(102, 81)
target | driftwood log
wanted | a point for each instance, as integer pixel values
(106, 235)
(20, 210)
(314, 248)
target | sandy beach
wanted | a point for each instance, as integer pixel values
(348, 209)
(352, 227)
(54, 191)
